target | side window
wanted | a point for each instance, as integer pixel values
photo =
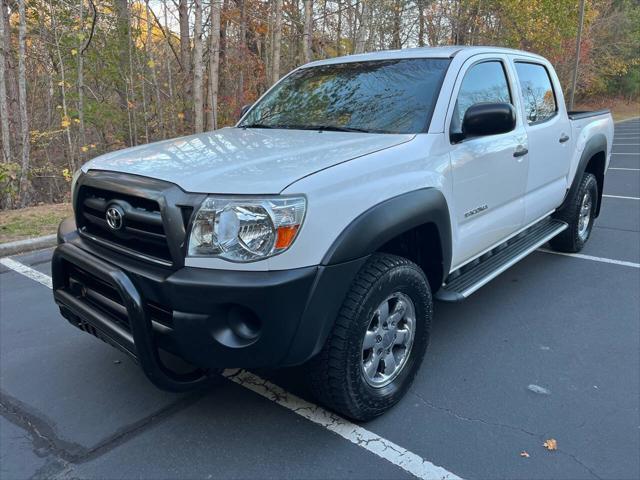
(485, 82)
(537, 92)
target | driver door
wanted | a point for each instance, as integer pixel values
(489, 173)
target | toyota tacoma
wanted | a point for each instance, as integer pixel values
(319, 230)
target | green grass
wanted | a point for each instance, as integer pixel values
(32, 221)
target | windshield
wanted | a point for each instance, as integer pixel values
(386, 96)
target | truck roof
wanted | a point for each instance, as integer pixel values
(420, 52)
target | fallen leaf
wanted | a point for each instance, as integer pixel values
(524, 454)
(551, 444)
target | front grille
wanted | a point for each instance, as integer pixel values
(141, 230)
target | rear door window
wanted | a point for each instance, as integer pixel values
(537, 92)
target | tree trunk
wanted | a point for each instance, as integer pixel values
(421, 22)
(198, 92)
(308, 31)
(4, 100)
(242, 51)
(214, 64)
(22, 95)
(185, 56)
(361, 34)
(339, 30)
(277, 39)
(80, 74)
(11, 82)
(397, 24)
(172, 117)
(152, 67)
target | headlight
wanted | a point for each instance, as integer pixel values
(245, 230)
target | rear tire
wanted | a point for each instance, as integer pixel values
(579, 214)
(378, 341)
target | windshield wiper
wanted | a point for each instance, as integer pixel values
(259, 125)
(328, 128)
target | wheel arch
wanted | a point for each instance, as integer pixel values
(593, 160)
(415, 225)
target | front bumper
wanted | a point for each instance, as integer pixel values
(210, 318)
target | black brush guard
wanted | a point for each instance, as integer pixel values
(139, 342)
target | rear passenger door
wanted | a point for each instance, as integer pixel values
(549, 130)
(488, 179)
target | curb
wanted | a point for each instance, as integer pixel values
(28, 245)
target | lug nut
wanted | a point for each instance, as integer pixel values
(378, 339)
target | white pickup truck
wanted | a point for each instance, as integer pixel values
(320, 229)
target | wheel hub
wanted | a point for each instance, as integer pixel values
(388, 340)
(584, 218)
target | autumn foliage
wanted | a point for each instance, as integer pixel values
(99, 75)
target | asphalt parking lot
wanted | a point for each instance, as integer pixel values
(549, 349)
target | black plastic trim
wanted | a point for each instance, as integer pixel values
(580, 114)
(386, 220)
(596, 144)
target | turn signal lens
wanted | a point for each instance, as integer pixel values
(285, 236)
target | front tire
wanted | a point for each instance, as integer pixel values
(378, 341)
(579, 214)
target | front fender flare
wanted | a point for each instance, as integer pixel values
(390, 218)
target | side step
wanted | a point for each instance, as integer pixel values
(469, 278)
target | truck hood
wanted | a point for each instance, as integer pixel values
(243, 161)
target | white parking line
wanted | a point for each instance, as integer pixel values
(637, 154)
(620, 196)
(383, 448)
(627, 169)
(27, 271)
(592, 258)
(408, 461)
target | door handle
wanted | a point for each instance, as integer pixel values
(564, 138)
(520, 151)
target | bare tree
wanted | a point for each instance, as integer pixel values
(277, 39)
(4, 110)
(198, 92)
(22, 95)
(214, 63)
(80, 75)
(185, 56)
(361, 34)
(308, 29)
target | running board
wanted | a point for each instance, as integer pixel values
(469, 278)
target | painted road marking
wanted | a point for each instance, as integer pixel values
(383, 448)
(592, 258)
(620, 196)
(408, 461)
(623, 153)
(28, 272)
(627, 169)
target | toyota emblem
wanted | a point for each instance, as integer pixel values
(114, 217)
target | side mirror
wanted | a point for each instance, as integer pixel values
(245, 109)
(484, 119)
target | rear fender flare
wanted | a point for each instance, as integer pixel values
(596, 144)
